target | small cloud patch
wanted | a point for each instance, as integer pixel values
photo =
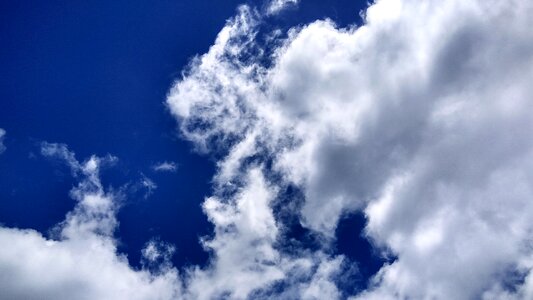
(165, 166)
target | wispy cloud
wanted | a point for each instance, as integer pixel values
(165, 166)
(2, 136)
(61, 152)
(275, 6)
(406, 118)
(148, 184)
(81, 261)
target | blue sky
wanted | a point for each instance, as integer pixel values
(266, 149)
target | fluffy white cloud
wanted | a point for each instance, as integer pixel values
(246, 262)
(2, 135)
(244, 256)
(420, 118)
(80, 261)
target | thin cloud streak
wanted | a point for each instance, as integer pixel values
(2, 137)
(165, 166)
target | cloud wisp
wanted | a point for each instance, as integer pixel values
(148, 184)
(80, 259)
(165, 166)
(276, 6)
(2, 137)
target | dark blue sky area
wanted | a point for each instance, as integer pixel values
(94, 75)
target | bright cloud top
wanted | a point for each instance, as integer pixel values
(420, 118)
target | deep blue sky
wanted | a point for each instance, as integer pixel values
(94, 75)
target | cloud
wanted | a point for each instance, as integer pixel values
(147, 184)
(156, 256)
(80, 260)
(419, 118)
(245, 230)
(275, 6)
(2, 136)
(165, 166)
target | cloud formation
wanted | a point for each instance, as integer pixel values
(420, 118)
(80, 259)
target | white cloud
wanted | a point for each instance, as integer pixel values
(420, 118)
(148, 184)
(2, 136)
(321, 285)
(165, 166)
(81, 260)
(245, 231)
(275, 6)
(156, 250)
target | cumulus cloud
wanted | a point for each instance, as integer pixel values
(420, 118)
(165, 166)
(2, 136)
(80, 259)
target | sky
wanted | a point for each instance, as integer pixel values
(276, 149)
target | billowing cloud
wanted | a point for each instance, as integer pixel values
(2, 135)
(80, 259)
(420, 118)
